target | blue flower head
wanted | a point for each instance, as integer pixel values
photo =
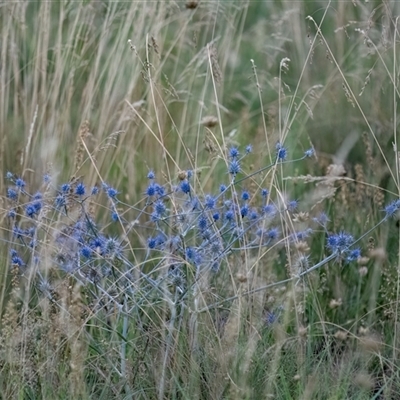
(185, 186)
(234, 167)
(309, 153)
(151, 175)
(281, 152)
(20, 183)
(111, 192)
(392, 208)
(245, 195)
(233, 153)
(80, 189)
(209, 201)
(65, 187)
(12, 194)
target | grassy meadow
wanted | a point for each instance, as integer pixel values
(199, 199)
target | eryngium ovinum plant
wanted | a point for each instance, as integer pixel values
(174, 253)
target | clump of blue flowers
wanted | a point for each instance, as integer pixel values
(179, 236)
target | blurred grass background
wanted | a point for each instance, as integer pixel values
(167, 85)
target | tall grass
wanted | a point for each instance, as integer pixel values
(102, 93)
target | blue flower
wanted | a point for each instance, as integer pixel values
(30, 210)
(185, 186)
(354, 255)
(244, 210)
(392, 208)
(151, 190)
(65, 187)
(245, 195)
(233, 152)
(309, 153)
(151, 175)
(209, 202)
(272, 233)
(111, 192)
(60, 201)
(86, 252)
(80, 189)
(234, 167)
(202, 223)
(20, 183)
(249, 148)
(159, 208)
(292, 205)
(281, 152)
(151, 242)
(12, 194)
(339, 242)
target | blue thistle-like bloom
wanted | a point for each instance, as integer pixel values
(12, 194)
(264, 193)
(30, 210)
(222, 188)
(234, 167)
(253, 215)
(269, 210)
(271, 318)
(302, 235)
(86, 252)
(111, 192)
(114, 216)
(216, 247)
(151, 243)
(65, 187)
(151, 175)
(244, 210)
(80, 189)
(151, 190)
(233, 152)
(245, 195)
(354, 255)
(38, 196)
(216, 216)
(95, 190)
(46, 178)
(229, 215)
(12, 213)
(193, 256)
(185, 186)
(272, 233)
(160, 190)
(249, 149)
(209, 202)
(309, 153)
(339, 242)
(18, 232)
(189, 173)
(160, 208)
(322, 219)
(292, 205)
(16, 260)
(60, 201)
(392, 208)
(9, 176)
(20, 183)
(202, 223)
(281, 152)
